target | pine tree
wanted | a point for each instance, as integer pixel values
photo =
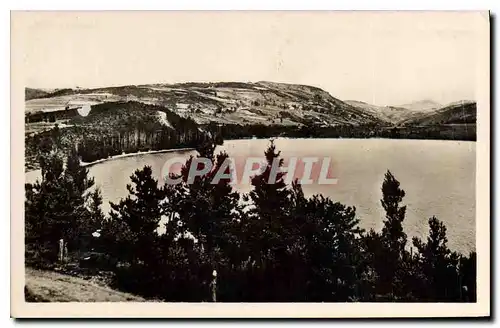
(96, 214)
(141, 212)
(95, 221)
(371, 259)
(131, 236)
(78, 182)
(334, 250)
(56, 207)
(393, 225)
(44, 204)
(270, 211)
(468, 277)
(208, 211)
(274, 230)
(387, 249)
(393, 236)
(438, 265)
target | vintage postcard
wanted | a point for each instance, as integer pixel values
(250, 164)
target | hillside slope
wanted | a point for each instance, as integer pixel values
(425, 105)
(30, 93)
(48, 286)
(110, 129)
(224, 102)
(462, 112)
(390, 114)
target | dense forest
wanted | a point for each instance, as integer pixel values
(432, 132)
(115, 128)
(165, 242)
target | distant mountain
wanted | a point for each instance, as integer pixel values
(425, 112)
(422, 105)
(460, 112)
(223, 102)
(388, 114)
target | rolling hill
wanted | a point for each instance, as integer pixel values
(223, 102)
(390, 114)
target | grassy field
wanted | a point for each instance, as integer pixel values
(48, 286)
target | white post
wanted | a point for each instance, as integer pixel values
(65, 254)
(214, 286)
(61, 250)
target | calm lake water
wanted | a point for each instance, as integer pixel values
(437, 176)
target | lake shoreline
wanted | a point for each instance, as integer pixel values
(88, 164)
(170, 150)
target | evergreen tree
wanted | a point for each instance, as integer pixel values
(78, 182)
(267, 230)
(372, 260)
(303, 249)
(393, 239)
(94, 223)
(468, 277)
(270, 207)
(438, 265)
(210, 212)
(55, 207)
(131, 236)
(96, 214)
(141, 212)
(333, 251)
(44, 204)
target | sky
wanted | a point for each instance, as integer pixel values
(381, 58)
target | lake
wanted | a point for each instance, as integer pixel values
(437, 176)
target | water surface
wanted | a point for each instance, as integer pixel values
(437, 176)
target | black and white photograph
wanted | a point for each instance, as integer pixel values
(251, 157)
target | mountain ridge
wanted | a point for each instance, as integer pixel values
(262, 102)
(224, 102)
(422, 105)
(391, 114)
(458, 112)
(410, 115)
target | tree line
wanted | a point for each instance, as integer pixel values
(270, 245)
(369, 130)
(92, 148)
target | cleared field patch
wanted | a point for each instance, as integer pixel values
(61, 102)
